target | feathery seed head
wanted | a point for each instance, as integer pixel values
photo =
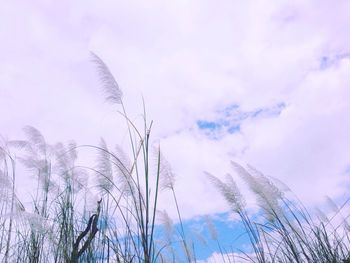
(104, 167)
(230, 192)
(268, 195)
(110, 85)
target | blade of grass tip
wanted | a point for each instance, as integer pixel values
(145, 155)
(155, 201)
(146, 167)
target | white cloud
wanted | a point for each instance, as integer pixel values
(227, 257)
(189, 60)
(306, 146)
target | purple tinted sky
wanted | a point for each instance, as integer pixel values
(277, 72)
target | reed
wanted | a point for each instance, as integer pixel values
(58, 224)
(286, 231)
(108, 212)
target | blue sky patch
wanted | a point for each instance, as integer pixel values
(328, 61)
(210, 125)
(230, 236)
(229, 119)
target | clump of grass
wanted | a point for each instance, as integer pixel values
(286, 232)
(60, 223)
(137, 198)
(57, 225)
(8, 199)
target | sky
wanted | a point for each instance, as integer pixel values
(264, 83)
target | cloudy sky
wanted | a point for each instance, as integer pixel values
(260, 82)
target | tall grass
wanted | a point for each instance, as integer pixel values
(59, 225)
(108, 212)
(285, 231)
